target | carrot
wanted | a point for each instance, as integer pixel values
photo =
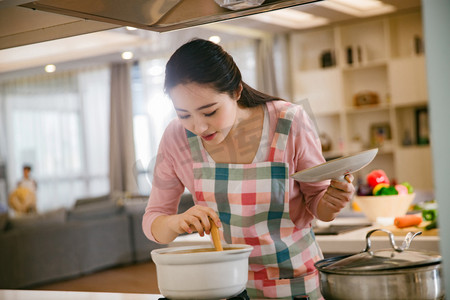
(407, 221)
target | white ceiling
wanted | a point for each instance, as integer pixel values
(110, 43)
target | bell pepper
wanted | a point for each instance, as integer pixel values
(377, 189)
(377, 176)
(386, 191)
(429, 214)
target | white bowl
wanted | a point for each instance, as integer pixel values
(202, 275)
(378, 208)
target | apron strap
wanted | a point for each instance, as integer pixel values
(280, 137)
(197, 151)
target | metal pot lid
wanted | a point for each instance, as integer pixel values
(398, 257)
(386, 259)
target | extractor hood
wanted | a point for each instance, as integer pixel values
(25, 22)
(156, 15)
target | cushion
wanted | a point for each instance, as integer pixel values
(135, 207)
(94, 210)
(57, 216)
(3, 221)
(91, 200)
(186, 202)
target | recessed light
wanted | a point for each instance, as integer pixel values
(127, 55)
(215, 39)
(358, 8)
(50, 68)
(290, 18)
(155, 71)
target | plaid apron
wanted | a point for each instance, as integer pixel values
(252, 202)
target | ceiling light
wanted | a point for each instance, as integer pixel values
(358, 8)
(215, 39)
(50, 68)
(156, 70)
(290, 18)
(130, 28)
(127, 55)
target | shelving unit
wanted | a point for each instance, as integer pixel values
(382, 56)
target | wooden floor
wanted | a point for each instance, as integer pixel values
(138, 278)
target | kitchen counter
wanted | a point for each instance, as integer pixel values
(355, 240)
(58, 295)
(344, 243)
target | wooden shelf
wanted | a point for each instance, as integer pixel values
(390, 66)
(367, 108)
(365, 66)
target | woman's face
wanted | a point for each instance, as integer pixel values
(204, 111)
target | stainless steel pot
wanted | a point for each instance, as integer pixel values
(185, 273)
(397, 273)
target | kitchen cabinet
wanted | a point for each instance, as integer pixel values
(365, 82)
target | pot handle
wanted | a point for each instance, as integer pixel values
(405, 245)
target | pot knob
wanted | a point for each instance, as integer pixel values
(405, 245)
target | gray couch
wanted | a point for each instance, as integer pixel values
(95, 234)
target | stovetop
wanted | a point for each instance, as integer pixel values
(241, 296)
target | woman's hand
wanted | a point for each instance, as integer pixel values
(336, 197)
(195, 218)
(166, 228)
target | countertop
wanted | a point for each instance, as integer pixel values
(58, 295)
(355, 241)
(344, 243)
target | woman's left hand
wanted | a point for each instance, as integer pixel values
(336, 197)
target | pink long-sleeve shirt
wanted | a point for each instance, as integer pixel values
(173, 170)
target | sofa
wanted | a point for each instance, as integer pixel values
(97, 233)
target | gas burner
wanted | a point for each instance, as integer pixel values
(241, 296)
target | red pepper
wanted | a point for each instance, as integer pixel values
(377, 176)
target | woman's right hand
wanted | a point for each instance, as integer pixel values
(195, 218)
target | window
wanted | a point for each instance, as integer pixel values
(59, 124)
(152, 111)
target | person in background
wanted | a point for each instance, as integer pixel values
(23, 199)
(27, 182)
(234, 148)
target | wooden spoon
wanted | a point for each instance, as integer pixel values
(215, 236)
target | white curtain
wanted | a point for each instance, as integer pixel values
(94, 92)
(56, 124)
(3, 183)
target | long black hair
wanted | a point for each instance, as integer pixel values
(204, 62)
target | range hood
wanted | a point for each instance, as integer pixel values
(25, 22)
(156, 15)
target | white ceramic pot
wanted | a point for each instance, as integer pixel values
(202, 275)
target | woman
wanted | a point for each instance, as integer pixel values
(233, 148)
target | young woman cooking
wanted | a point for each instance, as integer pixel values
(234, 148)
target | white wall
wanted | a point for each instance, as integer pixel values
(437, 48)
